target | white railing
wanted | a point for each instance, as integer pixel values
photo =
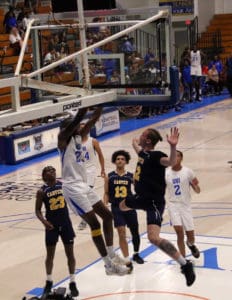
(20, 113)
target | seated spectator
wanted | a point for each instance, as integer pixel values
(149, 58)
(8, 15)
(152, 72)
(15, 40)
(10, 22)
(114, 78)
(49, 58)
(213, 79)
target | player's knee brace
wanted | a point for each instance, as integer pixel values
(96, 232)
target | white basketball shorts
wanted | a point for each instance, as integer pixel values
(181, 215)
(80, 197)
(196, 71)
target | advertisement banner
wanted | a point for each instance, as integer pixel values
(35, 144)
(183, 7)
(109, 121)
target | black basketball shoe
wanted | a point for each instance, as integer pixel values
(188, 272)
(138, 259)
(73, 289)
(194, 250)
(47, 289)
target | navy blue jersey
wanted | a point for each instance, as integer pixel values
(150, 175)
(119, 187)
(55, 204)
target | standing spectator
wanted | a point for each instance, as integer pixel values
(219, 66)
(229, 73)
(196, 72)
(186, 80)
(57, 223)
(213, 79)
(15, 40)
(118, 187)
(179, 179)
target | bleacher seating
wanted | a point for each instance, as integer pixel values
(223, 23)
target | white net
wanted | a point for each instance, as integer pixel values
(131, 111)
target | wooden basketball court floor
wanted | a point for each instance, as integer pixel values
(206, 140)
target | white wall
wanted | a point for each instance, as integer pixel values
(223, 6)
(137, 3)
(206, 10)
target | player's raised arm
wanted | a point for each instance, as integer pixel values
(91, 122)
(172, 139)
(69, 127)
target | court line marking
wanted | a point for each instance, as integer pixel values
(146, 292)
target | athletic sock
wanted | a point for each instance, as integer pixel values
(72, 277)
(107, 260)
(181, 260)
(110, 251)
(49, 277)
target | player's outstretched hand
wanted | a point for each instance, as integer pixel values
(173, 137)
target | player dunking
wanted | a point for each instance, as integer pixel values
(150, 189)
(92, 150)
(81, 198)
(118, 187)
(179, 179)
(57, 223)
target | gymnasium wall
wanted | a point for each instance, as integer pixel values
(204, 10)
(223, 6)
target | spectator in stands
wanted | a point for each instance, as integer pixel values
(10, 21)
(15, 40)
(229, 73)
(152, 72)
(114, 78)
(25, 21)
(50, 57)
(8, 14)
(219, 66)
(127, 47)
(149, 58)
(213, 79)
